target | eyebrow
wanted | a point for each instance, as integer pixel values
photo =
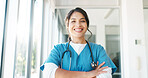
(75, 18)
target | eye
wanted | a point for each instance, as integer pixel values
(73, 21)
(83, 21)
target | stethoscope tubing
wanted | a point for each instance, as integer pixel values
(93, 64)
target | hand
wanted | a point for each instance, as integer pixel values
(97, 71)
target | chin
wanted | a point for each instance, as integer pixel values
(79, 36)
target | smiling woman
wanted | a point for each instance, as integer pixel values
(77, 26)
(68, 60)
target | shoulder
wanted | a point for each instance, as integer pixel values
(97, 46)
(60, 46)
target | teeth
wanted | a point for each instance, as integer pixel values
(78, 29)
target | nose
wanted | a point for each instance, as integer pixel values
(78, 24)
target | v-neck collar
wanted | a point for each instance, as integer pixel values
(73, 51)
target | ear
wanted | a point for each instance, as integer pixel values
(67, 25)
(67, 28)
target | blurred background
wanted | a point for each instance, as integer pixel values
(29, 29)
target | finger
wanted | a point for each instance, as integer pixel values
(97, 62)
(101, 65)
(103, 68)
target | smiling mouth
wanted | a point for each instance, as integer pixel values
(78, 30)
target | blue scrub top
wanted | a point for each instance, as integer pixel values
(81, 62)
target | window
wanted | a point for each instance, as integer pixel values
(22, 39)
(37, 34)
(28, 42)
(112, 34)
(27, 37)
(2, 20)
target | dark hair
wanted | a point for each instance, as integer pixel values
(77, 9)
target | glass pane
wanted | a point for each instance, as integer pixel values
(112, 29)
(2, 16)
(37, 27)
(22, 39)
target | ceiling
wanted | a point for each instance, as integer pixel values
(90, 3)
(85, 2)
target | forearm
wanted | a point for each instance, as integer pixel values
(52, 71)
(61, 73)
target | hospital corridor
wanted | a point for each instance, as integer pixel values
(30, 29)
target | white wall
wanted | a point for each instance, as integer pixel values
(113, 17)
(146, 31)
(133, 56)
(98, 20)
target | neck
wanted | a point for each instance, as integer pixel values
(78, 40)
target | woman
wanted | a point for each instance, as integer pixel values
(78, 58)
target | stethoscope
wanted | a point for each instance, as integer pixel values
(93, 64)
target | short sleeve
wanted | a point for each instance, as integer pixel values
(103, 57)
(54, 57)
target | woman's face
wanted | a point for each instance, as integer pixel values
(77, 25)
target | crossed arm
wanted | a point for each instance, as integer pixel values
(61, 73)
